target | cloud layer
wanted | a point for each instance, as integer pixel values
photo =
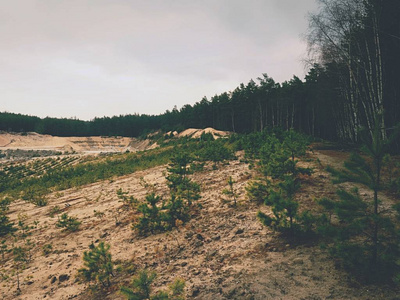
(88, 58)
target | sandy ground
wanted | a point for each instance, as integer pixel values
(222, 253)
(89, 145)
(35, 141)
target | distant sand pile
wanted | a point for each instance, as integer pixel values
(196, 133)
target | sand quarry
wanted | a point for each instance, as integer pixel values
(222, 253)
(94, 144)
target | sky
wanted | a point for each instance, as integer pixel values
(95, 58)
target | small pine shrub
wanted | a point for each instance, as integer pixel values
(68, 223)
(284, 207)
(129, 202)
(141, 288)
(47, 249)
(152, 217)
(6, 227)
(366, 236)
(230, 192)
(55, 210)
(98, 265)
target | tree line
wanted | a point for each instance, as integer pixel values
(355, 68)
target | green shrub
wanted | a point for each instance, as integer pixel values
(6, 227)
(129, 202)
(68, 223)
(55, 210)
(366, 236)
(141, 288)
(152, 217)
(284, 207)
(215, 151)
(230, 192)
(47, 249)
(98, 265)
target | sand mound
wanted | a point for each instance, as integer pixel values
(196, 133)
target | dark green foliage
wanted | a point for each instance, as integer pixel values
(176, 210)
(392, 168)
(328, 205)
(141, 288)
(55, 210)
(258, 191)
(20, 260)
(178, 170)
(284, 207)
(230, 191)
(215, 151)
(366, 238)
(6, 227)
(277, 152)
(35, 195)
(152, 219)
(189, 191)
(4, 248)
(98, 265)
(157, 216)
(47, 249)
(129, 202)
(180, 185)
(68, 223)
(277, 157)
(296, 143)
(60, 176)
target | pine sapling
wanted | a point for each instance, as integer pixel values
(230, 192)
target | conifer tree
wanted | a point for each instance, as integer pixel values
(230, 191)
(152, 216)
(68, 223)
(372, 257)
(98, 265)
(284, 206)
(141, 286)
(20, 261)
(6, 227)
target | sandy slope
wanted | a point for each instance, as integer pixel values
(34, 141)
(222, 253)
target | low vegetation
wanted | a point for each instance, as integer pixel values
(361, 234)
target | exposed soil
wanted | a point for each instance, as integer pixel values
(222, 253)
(35, 141)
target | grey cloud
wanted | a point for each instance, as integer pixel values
(115, 53)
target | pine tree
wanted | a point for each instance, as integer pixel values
(230, 191)
(374, 255)
(284, 207)
(152, 215)
(68, 223)
(6, 227)
(98, 265)
(141, 286)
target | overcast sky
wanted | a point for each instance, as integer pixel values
(88, 58)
